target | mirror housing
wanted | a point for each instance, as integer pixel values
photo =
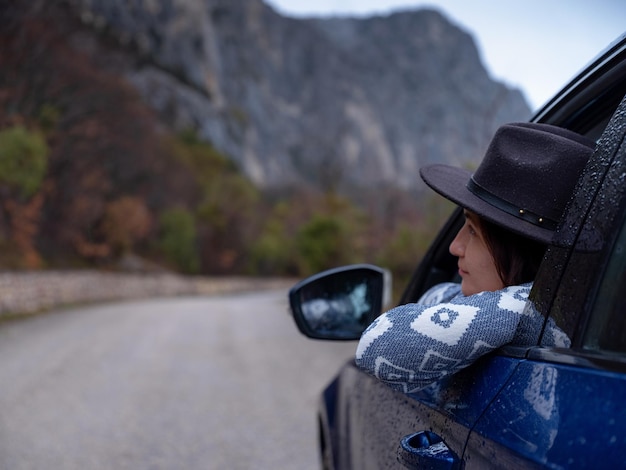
(339, 304)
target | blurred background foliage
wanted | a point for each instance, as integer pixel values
(89, 177)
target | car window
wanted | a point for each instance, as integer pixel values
(607, 327)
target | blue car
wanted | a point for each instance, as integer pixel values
(520, 407)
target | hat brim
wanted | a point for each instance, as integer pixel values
(451, 183)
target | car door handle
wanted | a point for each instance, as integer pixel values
(426, 450)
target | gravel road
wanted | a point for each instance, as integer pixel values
(220, 382)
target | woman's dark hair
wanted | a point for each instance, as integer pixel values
(516, 257)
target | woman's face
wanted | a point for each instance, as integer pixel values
(476, 265)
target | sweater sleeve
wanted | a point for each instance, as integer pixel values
(413, 345)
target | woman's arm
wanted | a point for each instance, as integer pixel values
(413, 345)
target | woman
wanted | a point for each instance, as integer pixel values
(512, 204)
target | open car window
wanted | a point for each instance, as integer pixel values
(586, 106)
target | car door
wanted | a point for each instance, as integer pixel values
(380, 428)
(563, 406)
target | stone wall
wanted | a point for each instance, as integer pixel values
(28, 292)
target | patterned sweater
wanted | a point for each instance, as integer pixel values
(413, 345)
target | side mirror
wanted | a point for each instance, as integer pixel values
(340, 303)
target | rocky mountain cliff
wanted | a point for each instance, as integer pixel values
(336, 102)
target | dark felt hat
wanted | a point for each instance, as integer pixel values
(524, 181)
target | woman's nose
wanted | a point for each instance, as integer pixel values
(457, 247)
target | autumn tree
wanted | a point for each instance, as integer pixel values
(227, 210)
(104, 143)
(23, 163)
(126, 221)
(178, 239)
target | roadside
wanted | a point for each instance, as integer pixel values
(36, 291)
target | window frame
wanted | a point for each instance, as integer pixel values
(570, 277)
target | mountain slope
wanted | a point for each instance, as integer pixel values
(332, 102)
(337, 102)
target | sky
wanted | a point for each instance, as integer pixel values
(534, 45)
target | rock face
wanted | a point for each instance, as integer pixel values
(336, 102)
